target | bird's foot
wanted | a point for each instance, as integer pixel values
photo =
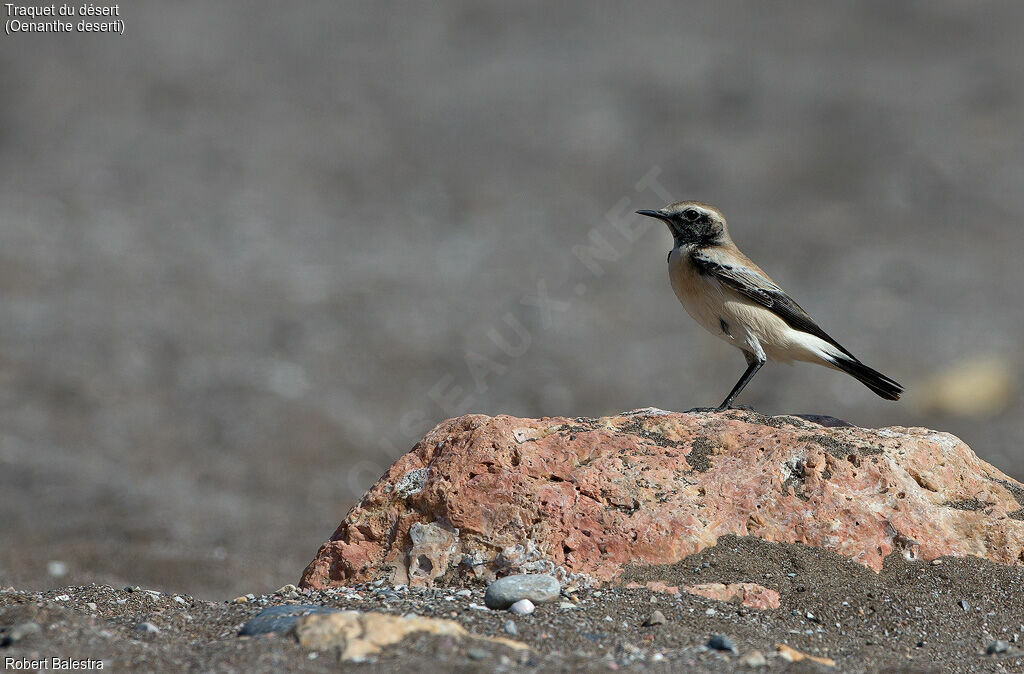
(704, 410)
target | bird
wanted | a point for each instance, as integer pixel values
(735, 300)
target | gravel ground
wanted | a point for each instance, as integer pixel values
(913, 616)
(245, 250)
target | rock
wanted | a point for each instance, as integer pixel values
(280, 618)
(91, 605)
(792, 655)
(720, 642)
(286, 589)
(585, 497)
(656, 618)
(477, 654)
(432, 546)
(511, 629)
(964, 605)
(358, 636)
(754, 659)
(506, 591)
(522, 607)
(20, 632)
(750, 595)
(147, 628)
(996, 647)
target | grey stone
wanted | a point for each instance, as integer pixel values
(280, 618)
(147, 628)
(506, 591)
(720, 642)
(996, 647)
(511, 629)
(656, 618)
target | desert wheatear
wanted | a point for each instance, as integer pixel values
(733, 299)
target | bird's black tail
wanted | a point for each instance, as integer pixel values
(876, 381)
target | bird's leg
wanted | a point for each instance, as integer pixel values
(754, 364)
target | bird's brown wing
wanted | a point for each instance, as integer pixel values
(753, 284)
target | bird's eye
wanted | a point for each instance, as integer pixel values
(691, 214)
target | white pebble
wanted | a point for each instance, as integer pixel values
(522, 607)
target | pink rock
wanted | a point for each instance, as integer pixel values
(750, 595)
(582, 498)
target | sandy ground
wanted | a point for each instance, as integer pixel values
(912, 616)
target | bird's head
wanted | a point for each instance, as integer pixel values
(692, 223)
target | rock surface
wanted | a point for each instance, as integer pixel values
(750, 595)
(583, 498)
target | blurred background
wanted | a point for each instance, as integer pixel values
(248, 256)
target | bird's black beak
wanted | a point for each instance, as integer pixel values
(653, 214)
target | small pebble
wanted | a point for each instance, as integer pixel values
(522, 607)
(179, 600)
(147, 628)
(566, 605)
(720, 642)
(996, 647)
(286, 589)
(656, 618)
(511, 629)
(464, 593)
(477, 654)
(240, 600)
(964, 605)
(754, 659)
(91, 605)
(19, 632)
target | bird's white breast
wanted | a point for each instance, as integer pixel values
(737, 319)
